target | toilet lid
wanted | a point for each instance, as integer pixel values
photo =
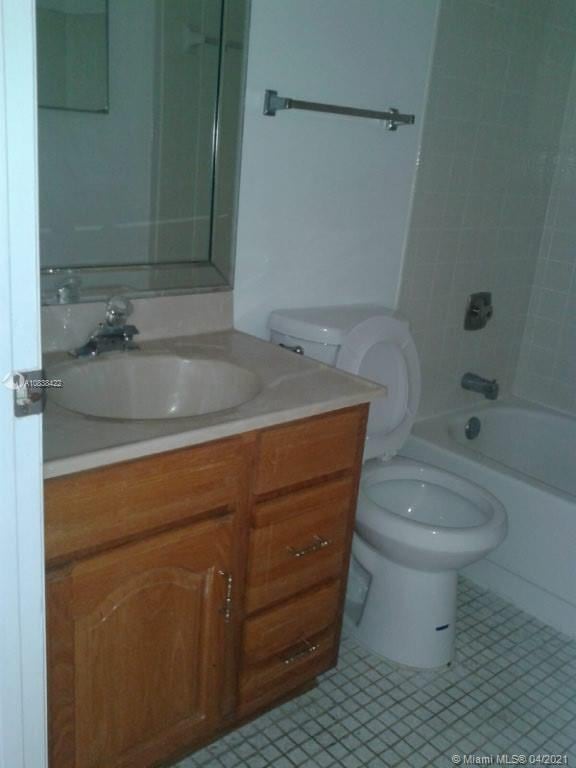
(381, 349)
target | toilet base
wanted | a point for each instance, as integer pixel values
(403, 614)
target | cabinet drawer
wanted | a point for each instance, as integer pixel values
(88, 510)
(261, 684)
(279, 628)
(309, 449)
(302, 540)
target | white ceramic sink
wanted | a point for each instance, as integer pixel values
(137, 385)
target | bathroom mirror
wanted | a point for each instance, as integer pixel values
(139, 197)
(72, 39)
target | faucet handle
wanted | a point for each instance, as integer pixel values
(118, 309)
(130, 331)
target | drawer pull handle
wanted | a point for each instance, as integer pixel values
(306, 651)
(318, 544)
(227, 606)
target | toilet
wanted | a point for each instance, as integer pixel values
(416, 525)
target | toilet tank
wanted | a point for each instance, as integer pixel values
(318, 331)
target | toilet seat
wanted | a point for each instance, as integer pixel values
(425, 517)
(381, 348)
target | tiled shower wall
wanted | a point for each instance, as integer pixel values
(497, 95)
(547, 365)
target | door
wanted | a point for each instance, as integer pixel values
(22, 665)
(144, 629)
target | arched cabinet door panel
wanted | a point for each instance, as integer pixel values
(146, 632)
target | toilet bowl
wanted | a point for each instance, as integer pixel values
(426, 518)
(416, 525)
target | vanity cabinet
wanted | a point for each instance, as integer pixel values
(191, 590)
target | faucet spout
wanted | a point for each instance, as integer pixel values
(487, 387)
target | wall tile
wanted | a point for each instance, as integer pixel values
(551, 324)
(480, 215)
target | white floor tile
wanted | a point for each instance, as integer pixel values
(511, 689)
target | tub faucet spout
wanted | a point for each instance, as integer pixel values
(487, 387)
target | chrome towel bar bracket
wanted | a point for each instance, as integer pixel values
(393, 118)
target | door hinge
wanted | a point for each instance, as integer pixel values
(29, 390)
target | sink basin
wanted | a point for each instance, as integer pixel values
(151, 386)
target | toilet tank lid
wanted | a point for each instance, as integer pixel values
(327, 325)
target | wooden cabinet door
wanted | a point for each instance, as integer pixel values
(138, 643)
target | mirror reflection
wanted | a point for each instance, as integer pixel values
(141, 199)
(72, 39)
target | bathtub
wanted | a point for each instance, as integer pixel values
(526, 456)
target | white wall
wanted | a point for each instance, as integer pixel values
(324, 200)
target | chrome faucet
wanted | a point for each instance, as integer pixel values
(113, 334)
(487, 387)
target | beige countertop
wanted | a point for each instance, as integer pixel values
(292, 387)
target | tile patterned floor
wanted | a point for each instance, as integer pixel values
(511, 690)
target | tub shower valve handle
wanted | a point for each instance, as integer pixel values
(478, 311)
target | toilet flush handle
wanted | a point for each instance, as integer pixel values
(297, 348)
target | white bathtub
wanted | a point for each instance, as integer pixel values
(526, 456)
